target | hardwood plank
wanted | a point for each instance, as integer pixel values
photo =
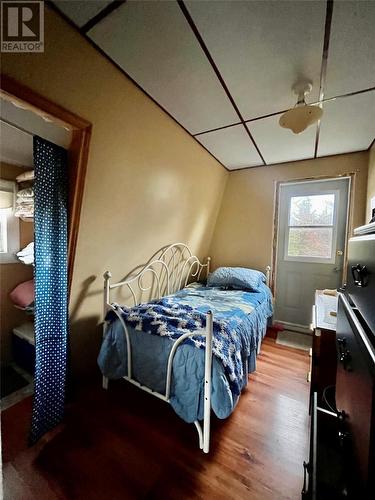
(122, 443)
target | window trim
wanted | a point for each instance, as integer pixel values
(4, 230)
(314, 260)
(12, 227)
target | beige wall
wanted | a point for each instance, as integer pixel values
(370, 182)
(244, 230)
(148, 182)
(12, 275)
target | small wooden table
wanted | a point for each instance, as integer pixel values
(323, 352)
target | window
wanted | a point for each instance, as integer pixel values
(311, 228)
(3, 230)
(9, 224)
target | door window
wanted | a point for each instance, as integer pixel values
(311, 228)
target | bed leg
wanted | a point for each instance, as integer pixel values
(200, 433)
(106, 303)
(207, 383)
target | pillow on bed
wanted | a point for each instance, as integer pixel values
(236, 277)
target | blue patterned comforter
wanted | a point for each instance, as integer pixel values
(240, 319)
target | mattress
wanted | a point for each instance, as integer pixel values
(246, 311)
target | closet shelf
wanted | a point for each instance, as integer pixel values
(27, 310)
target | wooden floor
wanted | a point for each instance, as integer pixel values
(125, 444)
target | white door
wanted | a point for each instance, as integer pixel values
(310, 245)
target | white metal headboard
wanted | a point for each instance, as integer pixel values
(170, 269)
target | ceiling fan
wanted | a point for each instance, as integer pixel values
(302, 115)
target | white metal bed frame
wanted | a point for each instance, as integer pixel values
(170, 269)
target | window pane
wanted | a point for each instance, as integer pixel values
(312, 210)
(3, 233)
(310, 242)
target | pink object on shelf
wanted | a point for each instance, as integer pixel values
(23, 294)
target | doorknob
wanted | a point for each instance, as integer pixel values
(339, 253)
(337, 269)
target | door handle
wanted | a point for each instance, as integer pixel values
(337, 269)
(359, 274)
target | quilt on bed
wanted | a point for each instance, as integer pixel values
(239, 320)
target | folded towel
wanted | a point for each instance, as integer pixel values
(24, 211)
(28, 259)
(25, 176)
(25, 199)
(29, 249)
(26, 255)
(24, 208)
(25, 193)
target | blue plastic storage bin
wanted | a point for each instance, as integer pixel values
(23, 346)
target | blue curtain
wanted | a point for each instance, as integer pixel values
(51, 290)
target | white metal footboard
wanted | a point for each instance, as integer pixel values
(204, 436)
(170, 272)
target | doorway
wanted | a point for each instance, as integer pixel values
(30, 121)
(310, 251)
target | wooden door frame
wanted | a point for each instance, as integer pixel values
(80, 128)
(349, 220)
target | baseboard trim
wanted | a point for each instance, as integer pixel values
(294, 327)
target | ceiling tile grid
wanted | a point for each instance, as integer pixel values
(225, 65)
(81, 11)
(154, 44)
(347, 125)
(351, 59)
(284, 146)
(261, 48)
(232, 146)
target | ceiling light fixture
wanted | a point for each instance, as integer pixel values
(302, 115)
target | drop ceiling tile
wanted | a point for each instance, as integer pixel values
(154, 44)
(81, 11)
(232, 146)
(278, 144)
(347, 124)
(351, 57)
(262, 48)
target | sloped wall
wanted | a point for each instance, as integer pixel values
(148, 182)
(370, 182)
